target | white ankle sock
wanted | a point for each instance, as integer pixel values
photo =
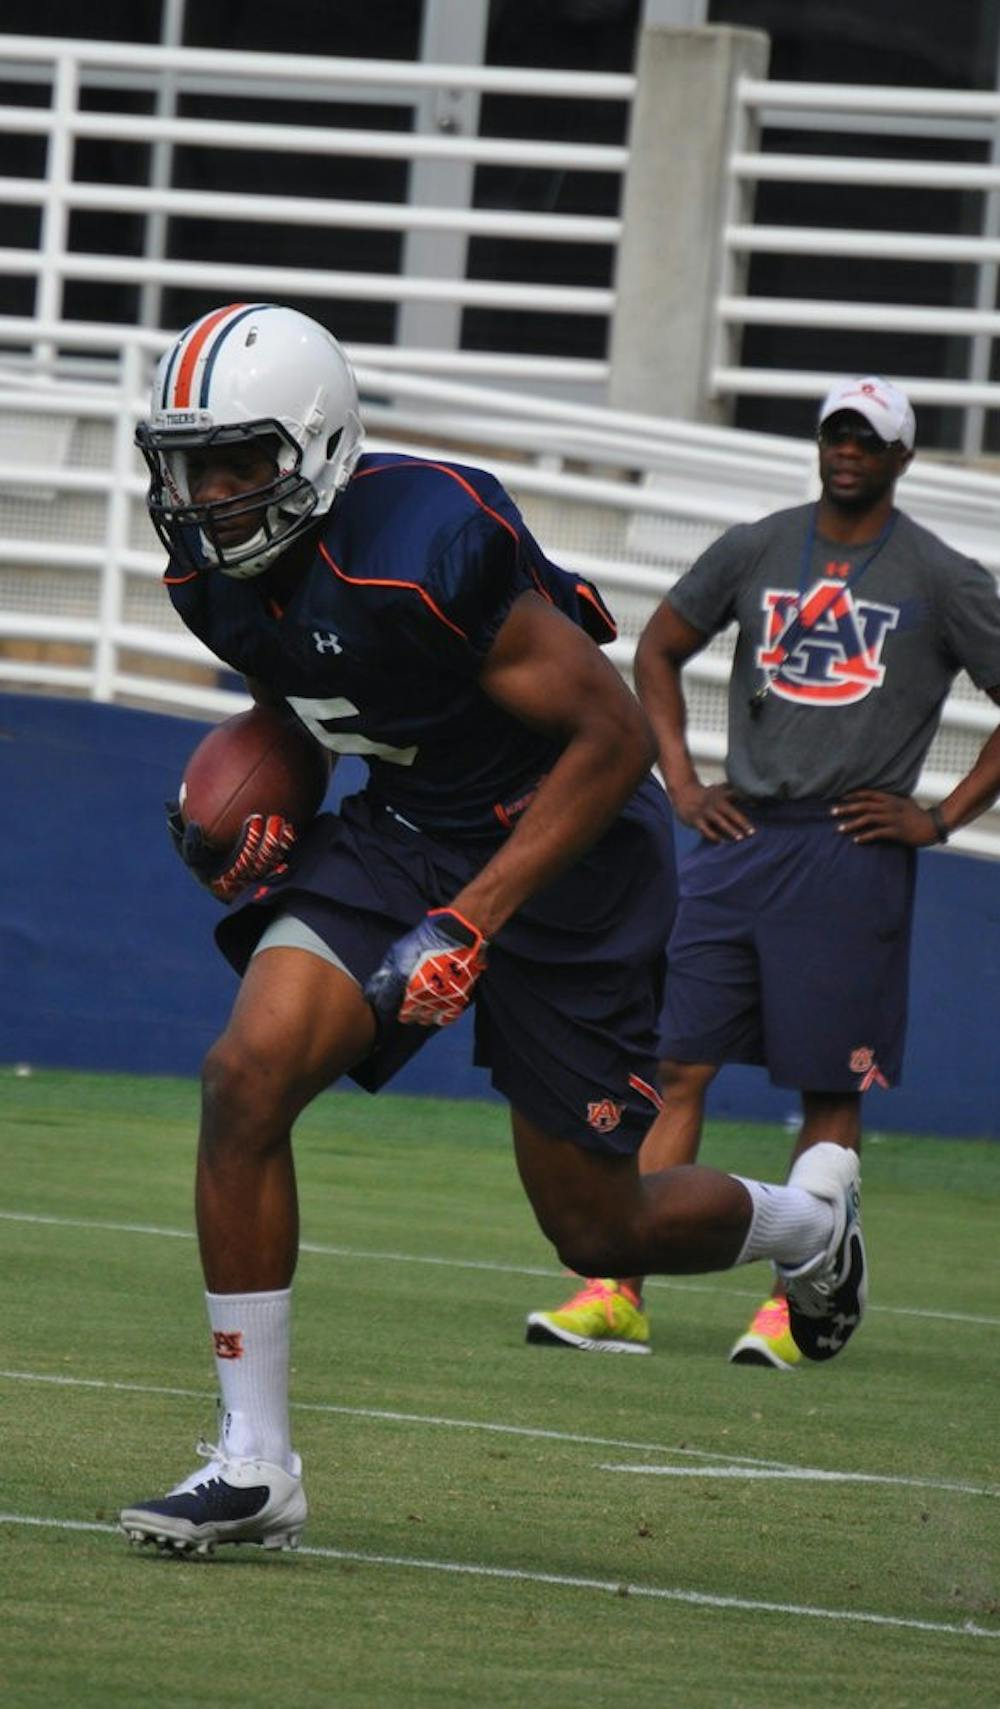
(251, 1333)
(788, 1224)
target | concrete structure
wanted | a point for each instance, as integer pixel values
(669, 257)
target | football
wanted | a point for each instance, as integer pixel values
(261, 761)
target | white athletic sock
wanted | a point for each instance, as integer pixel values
(251, 1333)
(788, 1224)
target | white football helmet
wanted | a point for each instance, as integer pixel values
(247, 372)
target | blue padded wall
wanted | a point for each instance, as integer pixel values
(108, 963)
(106, 950)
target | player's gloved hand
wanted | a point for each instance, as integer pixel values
(259, 852)
(427, 977)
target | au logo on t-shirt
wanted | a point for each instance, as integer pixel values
(836, 643)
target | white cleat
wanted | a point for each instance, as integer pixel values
(230, 1500)
(827, 1295)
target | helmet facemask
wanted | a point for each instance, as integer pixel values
(284, 504)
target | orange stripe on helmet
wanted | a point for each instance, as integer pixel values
(189, 361)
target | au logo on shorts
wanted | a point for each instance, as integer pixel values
(862, 1062)
(604, 1115)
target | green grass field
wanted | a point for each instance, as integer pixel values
(491, 1525)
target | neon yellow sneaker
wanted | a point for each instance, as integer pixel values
(768, 1340)
(604, 1317)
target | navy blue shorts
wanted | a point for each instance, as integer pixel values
(566, 1012)
(791, 950)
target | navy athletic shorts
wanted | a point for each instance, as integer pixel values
(566, 1012)
(791, 950)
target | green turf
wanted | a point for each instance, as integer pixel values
(433, 1437)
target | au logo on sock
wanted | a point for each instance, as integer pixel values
(228, 1343)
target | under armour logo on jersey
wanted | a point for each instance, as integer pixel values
(327, 643)
(836, 657)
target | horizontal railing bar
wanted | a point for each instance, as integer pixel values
(88, 403)
(978, 715)
(193, 696)
(178, 644)
(302, 281)
(646, 427)
(104, 335)
(881, 124)
(386, 357)
(36, 671)
(316, 211)
(289, 67)
(486, 363)
(559, 438)
(895, 246)
(48, 475)
(201, 83)
(46, 554)
(37, 626)
(791, 383)
(868, 98)
(317, 140)
(836, 169)
(894, 317)
(479, 364)
(621, 574)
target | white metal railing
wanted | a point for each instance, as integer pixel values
(628, 500)
(83, 78)
(216, 71)
(84, 81)
(933, 115)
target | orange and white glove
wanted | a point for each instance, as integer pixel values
(259, 852)
(427, 977)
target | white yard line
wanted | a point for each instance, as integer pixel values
(360, 1255)
(801, 1474)
(566, 1581)
(754, 1467)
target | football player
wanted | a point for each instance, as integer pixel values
(509, 850)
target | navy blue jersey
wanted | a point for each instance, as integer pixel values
(379, 647)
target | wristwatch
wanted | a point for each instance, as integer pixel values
(940, 828)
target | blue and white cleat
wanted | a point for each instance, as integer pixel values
(230, 1500)
(827, 1296)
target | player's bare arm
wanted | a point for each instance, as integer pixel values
(666, 644)
(544, 671)
(873, 815)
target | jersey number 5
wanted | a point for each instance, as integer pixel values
(323, 719)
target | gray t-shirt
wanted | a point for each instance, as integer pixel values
(855, 700)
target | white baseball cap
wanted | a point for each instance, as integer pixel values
(881, 403)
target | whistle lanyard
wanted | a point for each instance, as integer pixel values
(800, 625)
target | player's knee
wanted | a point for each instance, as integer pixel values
(594, 1251)
(242, 1095)
(597, 1257)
